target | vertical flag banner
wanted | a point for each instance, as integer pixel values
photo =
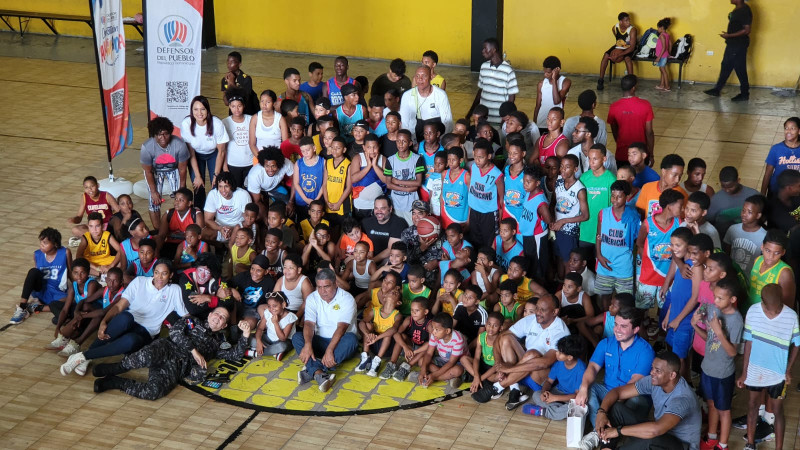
(173, 38)
(109, 39)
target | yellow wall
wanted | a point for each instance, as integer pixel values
(579, 38)
(71, 7)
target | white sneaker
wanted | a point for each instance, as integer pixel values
(74, 241)
(364, 364)
(373, 368)
(70, 349)
(19, 316)
(81, 368)
(58, 343)
(590, 441)
(74, 362)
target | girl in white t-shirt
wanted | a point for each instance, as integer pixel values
(239, 156)
(205, 135)
(275, 329)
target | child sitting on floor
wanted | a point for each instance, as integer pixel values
(360, 269)
(414, 288)
(144, 265)
(606, 319)
(378, 327)
(351, 233)
(445, 348)
(575, 305)
(242, 254)
(96, 245)
(469, 318)
(508, 307)
(294, 285)
(81, 288)
(187, 252)
(276, 328)
(486, 276)
(319, 248)
(563, 381)
(412, 339)
(481, 366)
(447, 297)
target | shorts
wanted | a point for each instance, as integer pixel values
(531, 383)
(439, 361)
(172, 176)
(774, 391)
(483, 367)
(606, 285)
(376, 347)
(680, 340)
(647, 296)
(718, 390)
(662, 62)
(565, 242)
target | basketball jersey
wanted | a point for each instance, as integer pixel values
(78, 296)
(303, 108)
(530, 223)
(431, 192)
(310, 179)
(758, 280)
(523, 289)
(335, 92)
(382, 324)
(617, 238)
(657, 253)
(98, 253)
(100, 206)
(454, 197)
(483, 189)
(567, 205)
(54, 274)
(504, 255)
(131, 254)
(187, 257)
(141, 271)
(565, 302)
(509, 314)
(437, 81)
(515, 193)
(550, 150)
(419, 332)
(244, 259)
(408, 297)
(108, 299)
(447, 306)
(346, 122)
(367, 189)
(608, 325)
(335, 182)
(307, 229)
(404, 170)
(546, 94)
(274, 269)
(487, 352)
(380, 130)
(450, 251)
(178, 223)
(428, 159)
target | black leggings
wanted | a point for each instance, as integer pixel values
(239, 175)
(34, 282)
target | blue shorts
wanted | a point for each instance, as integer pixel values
(565, 243)
(718, 390)
(680, 340)
(661, 62)
(531, 383)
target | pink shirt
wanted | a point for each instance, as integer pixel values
(453, 348)
(662, 52)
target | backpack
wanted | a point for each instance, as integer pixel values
(682, 47)
(647, 44)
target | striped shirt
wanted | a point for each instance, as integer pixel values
(771, 339)
(497, 83)
(453, 348)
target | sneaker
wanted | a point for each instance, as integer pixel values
(515, 398)
(708, 444)
(374, 366)
(764, 432)
(497, 394)
(363, 366)
(749, 446)
(600, 83)
(590, 441)
(58, 343)
(486, 393)
(303, 376)
(279, 356)
(73, 362)
(35, 308)
(71, 348)
(388, 371)
(402, 372)
(740, 98)
(74, 241)
(740, 422)
(19, 316)
(712, 92)
(456, 382)
(532, 410)
(413, 377)
(325, 381)
(80, 369)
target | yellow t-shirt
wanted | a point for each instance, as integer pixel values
(446, 306)
(244, 259)
(437, 80)
(523, 290)
(98, 253)
(335, 182)
(307, 229)
(383, 324)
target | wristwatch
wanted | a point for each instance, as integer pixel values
(619, 431)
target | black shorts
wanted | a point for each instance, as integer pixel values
(774, 391)
(483, 367)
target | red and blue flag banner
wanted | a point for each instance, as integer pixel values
(173, 38)
(109, 39)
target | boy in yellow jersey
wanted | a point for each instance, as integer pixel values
(96, 246)
(336, 191)
(378, 328)
(526, 288)
(769, 269)
(316, 212)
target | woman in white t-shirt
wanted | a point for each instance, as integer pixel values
(266, 127)
(239, 156)
(205, 135)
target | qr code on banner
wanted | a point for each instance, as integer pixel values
(117, 102)
(177, 91)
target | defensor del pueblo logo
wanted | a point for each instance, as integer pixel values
(176, 36)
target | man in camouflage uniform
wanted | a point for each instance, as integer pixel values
(183, 354)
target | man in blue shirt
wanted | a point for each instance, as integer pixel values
(626, 358)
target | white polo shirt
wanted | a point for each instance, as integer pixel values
(537, 338)
(328, 316)
(150, 306)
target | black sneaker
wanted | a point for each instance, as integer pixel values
(600, 83)
(749, 447)
(740, 98)
(740, 422)
(485, 393)
(712, 92)
(764, 432)
(515, 398)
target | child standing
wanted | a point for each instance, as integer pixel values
(276, 328)
(512, 178)
(505, 244)
(653, 245)
(662, 53)
(430, 146)
(367, 175)
(348, 112)
(551, 91)
(552, 142)
(743, 240)
(313, 86)
(617, 229)
(431, 190)
(695, 216)
(308, 177)
(534, 221)
(637, 157)
(563, 381)
(448, 345)
(695, 174)
(378, 327)
(455, 189)
(769, 268)
(337, 184)
(598, 181)
(718, 267)
(485, 195)
(571, 208)
(291, 147)
(404, 173)
(724, 327)
(431, 59)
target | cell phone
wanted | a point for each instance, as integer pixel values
(219, 377)
(212, 384)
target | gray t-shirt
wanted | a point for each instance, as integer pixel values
(572, 122)
(745, 246)
(725, 209)
(164, 159)
(717, 363)
(681, 402)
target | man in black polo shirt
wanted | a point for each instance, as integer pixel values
(737, 39)
(383, 227)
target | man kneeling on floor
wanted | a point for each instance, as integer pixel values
(677, 413)
(183, 354)
(528, 366)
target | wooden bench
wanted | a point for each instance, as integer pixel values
(24, 18)
(679, 61)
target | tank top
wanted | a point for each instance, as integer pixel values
(623, 38)
(480, 281)
(238, 154)
(187, 257)
(310, 179)
(437, 80)
(107, 299)
(177, 223)
(275, 268)
(523, 289)
(487, 351)
(295, 296)
(758, 280)
(78, 296)
(702, 187)
(383, 324)
(550, 150)
(419, 332)
(503, 254)
(268, 136)
(100, 206)
(615, 236)
(454, 197)
(531, 224)
(428, 159)
(657, 254)
(142, 271)
(98, 253)
(565, 302)
(567, 205)
(546, 94)
(131, 254)
(509, 314)
(483, 189)
(362, 279)
(335, 183)
(608, 325)
(245, 259)
(367, 189)
(680, 293)
(335, 91)
(515, 193)
(314, 91)
(303, 108)
(347, 121)
(54, 273)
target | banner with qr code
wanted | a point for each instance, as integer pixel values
(173, 38)
(109, 35)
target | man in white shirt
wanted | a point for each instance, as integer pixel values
(424, 102)
(265, 180)
(583, 135)
(224, 209)
(529, 365)
(497, 82)
(329, 334)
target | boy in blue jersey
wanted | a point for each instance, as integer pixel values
(512, 177)
(534, 220)
(617, 229)
(377, 125)
(430, 146)
(506, 245)
(485, 195)
(637, 157)
(455, 189)
(314, 84)
(454, 241)
(333, 87)
(349, 112)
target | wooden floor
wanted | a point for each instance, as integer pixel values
(51, 137)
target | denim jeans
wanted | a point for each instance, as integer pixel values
(344, 350)
(640, 404)
(204, 160)
(126, 336)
